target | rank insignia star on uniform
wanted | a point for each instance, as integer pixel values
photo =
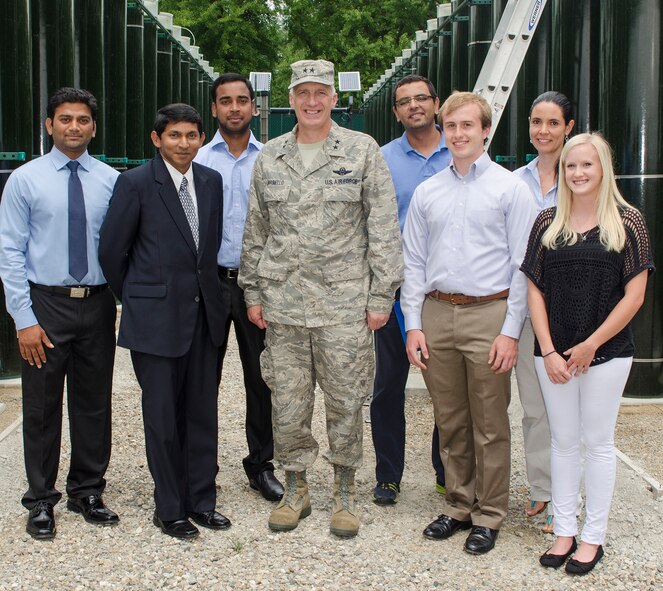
(337, 143)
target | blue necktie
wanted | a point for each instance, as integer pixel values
(77, 225)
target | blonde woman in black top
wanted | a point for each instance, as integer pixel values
(587, 263)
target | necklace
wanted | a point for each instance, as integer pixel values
(583, 235)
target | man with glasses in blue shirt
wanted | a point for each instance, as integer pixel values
(232, 152)
(412, 158)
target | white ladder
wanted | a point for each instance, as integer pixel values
(506, 55)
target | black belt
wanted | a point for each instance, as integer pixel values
(78, 291)
(228, 273)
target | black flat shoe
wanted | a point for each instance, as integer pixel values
(41, 521)
(267, 485)
(557, 560)
(575, 567)
(210, 519)
(180, 528)
(93, 510)
(444, 527)
(480, 540)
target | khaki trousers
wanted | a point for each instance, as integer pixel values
(470, 404)
(536, 432)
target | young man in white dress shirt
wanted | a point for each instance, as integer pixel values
(464, 301)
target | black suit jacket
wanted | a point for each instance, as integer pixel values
(148, 256)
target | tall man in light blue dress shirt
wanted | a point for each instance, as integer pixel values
(412, 158)
(50, 215)
(232, 152)
(464, 301)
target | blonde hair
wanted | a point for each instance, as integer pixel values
(608, 204)
(458, 99)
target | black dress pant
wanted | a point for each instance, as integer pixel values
(181, 424)
(388, 406)
(83, 332)
(251, 342)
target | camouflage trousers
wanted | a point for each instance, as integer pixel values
(340, 359)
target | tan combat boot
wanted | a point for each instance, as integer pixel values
(295, 504)
(344, 520)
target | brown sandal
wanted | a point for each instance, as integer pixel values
(536, 508)
(548, 527)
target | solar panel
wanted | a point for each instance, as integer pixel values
(349, 82)
(261, 81)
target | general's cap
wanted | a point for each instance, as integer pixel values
(320, 71)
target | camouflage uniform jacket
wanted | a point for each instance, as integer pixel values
(321, 246)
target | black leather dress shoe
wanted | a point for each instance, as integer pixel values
(575, 567)
(93, 510)
(557, 560)
(480, 540)
(180, 528)
(267, 485)
(444, 527)
(210, 519)
(41, 521)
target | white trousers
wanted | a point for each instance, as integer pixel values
(584, 408)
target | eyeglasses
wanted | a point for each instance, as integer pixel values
(419, 98)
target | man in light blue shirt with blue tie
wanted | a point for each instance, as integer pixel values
(232, 152)
(50, 215)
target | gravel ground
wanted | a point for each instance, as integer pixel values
(389, 554)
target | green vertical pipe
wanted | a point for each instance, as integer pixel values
(89, 51)
(165, 70)
(115, 17)
(631, 94)
(15, 88)
(15, 136)
(443, 82)
(135, 120)
(52, 59)
(150, 91)
(431, 74)
(534, 79)
(206, 102)
(176, 95)
(576, 49)
(480, 38)
(384, 114)
(194, 90)
(503, 148)
(422, 58)
(460, 38)
(185, 78)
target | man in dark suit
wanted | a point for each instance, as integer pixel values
(158, 250)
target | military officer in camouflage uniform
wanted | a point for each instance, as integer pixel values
(320, 263)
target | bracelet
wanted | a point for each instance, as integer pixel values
(546, 355)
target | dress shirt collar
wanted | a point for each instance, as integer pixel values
(177, 176)
(218, 143)
(405, 144)
(60, 159)
(477, 168)
(534, 171)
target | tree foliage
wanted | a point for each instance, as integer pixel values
(265, 35)
(234, 35)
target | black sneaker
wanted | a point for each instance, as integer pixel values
(386, 493)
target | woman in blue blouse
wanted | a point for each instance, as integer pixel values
(550, 123)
